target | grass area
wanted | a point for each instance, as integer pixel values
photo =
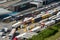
(50, 33)
(56, 36)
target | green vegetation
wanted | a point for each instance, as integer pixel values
(48, 34)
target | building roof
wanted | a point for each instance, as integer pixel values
(4, 11)
(22, 2)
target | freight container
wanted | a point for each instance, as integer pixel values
(19, 17)
(46, 16)
(7, 19)
(11, 35)
(16, 24)
(52, 17)
(52, 12)
(44, 20)
(26, 35)
(36, 29)
(49, 23)
(57, 20)
(12, 31)
(58, 14)
(38, 18)
(58, 8)
(27, 20)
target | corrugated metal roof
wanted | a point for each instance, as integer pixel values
(4, 11)
(22, 2)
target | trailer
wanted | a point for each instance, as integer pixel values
(58, 14)
(36, 29)
(16, 24)
(49, 23)
(11, 35)
(25, 35)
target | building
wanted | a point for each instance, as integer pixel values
(20, 6)
(4, 11)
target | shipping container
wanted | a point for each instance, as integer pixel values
(58, 14)
(44, 20)
(57, 20)
(27, 20)
(52, 17)
(46, 16)
(36, 29)
(11, 35)
(19, 17)
(16, 24)
(7, 19)
(38, 18)
(49, 23)
(52, 12)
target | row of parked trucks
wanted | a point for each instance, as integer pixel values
(38, 17)
(54, 18)
(44, 24)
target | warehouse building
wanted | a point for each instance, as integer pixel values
(3, 12)
(20, 6)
